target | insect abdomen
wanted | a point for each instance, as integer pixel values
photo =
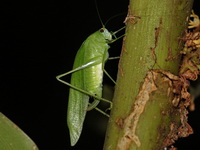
(93, 78)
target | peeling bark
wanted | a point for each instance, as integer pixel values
(178, 87)
(131, 121)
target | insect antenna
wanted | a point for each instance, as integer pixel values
(99, 14)
(117, 15)
(114, 33)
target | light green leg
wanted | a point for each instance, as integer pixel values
(111, 58)
(81, 90)
(114, 33)
(93, 105)
(99, 110)
(109, 76)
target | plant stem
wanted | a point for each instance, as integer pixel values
(143, 112)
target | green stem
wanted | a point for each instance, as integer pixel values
(142, 104)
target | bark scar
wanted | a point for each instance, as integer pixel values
(157, 32)
(131, 121)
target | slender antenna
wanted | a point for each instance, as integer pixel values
(99, 14)
(114, 17)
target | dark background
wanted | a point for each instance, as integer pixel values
(39, 40)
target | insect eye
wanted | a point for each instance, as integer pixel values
(101, 30)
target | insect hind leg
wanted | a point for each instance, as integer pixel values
(102, 112)
(94, 104)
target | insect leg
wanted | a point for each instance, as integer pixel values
(114, 33)
(74, 70)
(79, 89)
(93, 105)
(90, 107)
(111, 41)
(99, 110)
(113, 58)
(109, 76)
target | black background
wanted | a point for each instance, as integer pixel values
(39, 40)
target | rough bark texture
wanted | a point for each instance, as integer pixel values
(148, 112)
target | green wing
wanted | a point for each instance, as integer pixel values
(77, 108)
(78, 102)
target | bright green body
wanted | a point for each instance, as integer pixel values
(93, 53)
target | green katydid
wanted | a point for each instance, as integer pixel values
(86, 79)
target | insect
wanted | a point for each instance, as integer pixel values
(86, 79)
